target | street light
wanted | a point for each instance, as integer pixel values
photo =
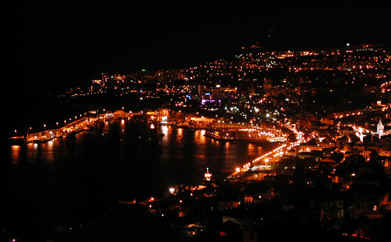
(171, 190)
(267, 160)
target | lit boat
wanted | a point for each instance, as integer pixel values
(207, 175)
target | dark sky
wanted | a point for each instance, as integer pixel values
(64, 43)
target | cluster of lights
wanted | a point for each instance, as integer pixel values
(76, 125)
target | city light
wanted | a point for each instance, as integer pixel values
(208, 175)
(164, 120)
(171, 190)
(317, 117)
(165, 130)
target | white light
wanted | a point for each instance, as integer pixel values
(164, 119)
(171, 190)
(164, 129)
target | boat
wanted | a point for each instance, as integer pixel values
(208, 175)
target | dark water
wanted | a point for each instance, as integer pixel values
(77, 180)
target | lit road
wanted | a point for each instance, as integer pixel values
(263, 162)
(78, 125)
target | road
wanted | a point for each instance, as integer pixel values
(263, 162)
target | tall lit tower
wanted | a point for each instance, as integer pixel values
(380, 129)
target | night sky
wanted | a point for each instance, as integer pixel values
(62, 44)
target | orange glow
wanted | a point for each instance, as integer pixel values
(198, 137)
(180, 132)
(181, 214)
(15, 152)
(50, 144)
(208, 175)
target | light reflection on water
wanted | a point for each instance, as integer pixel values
(199, 137)
(165, 130)
(15, 154)
(184, 153)
(46, 152)
(32, 151)
(90, 168)
(180, 132)
(198, 151)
